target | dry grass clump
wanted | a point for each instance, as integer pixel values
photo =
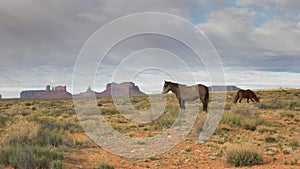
(21, 132)
(246, 111)
(245, 117)
(28, 144)
(243, 155)
(265, 129)
(103, 165)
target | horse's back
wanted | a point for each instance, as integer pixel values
(189, 90)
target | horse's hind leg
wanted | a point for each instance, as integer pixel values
(247, 100)
(204, 107)
(182, 106)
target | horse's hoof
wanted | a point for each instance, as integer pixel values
(199, 142)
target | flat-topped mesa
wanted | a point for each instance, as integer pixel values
(55, 92)
(122, 89)
(223, 88)
(113, 89)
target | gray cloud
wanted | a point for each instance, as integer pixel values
(48, 35)
(272, 46)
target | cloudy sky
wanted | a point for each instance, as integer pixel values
(258, 42)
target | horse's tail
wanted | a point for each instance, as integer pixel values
(206, 98)
(237, 97)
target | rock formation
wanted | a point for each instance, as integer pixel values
(114, 89)
(223, 88)
(89, 93)
(56, 92)
(122, 89)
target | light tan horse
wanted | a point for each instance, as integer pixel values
(188, 93)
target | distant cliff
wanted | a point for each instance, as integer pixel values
(122, 89)
(55, 92)
(223, 88)
(114, 89)
(89, 93)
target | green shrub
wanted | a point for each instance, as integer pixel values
(265, 129)
(244, 117)
(21, 132)
(47, 137)
(3, 120)
(243, 155)
(57, 165)
(294, 143)
(28, 156)
(270, 139)
(249, 124)
(231, 119)
(245, 111)
(163, 123)
(108, 111)
(105, 166)
(188, 149)
(30, 145)
(28, 104)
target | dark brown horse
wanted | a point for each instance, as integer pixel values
(245, 94)
(188, 93)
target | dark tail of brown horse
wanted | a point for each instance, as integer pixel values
(206, 99)
(237, 97)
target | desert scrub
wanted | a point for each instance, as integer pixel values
(108, 111)
(28, 156)
(167, 119)
(103, 165)
(3, 120)
(243, 155)
(188, 149)
(27, 144)
(21, 132)
(270, 139)
(244, 117)
(280, 103)
(140, 102)
(163, 123)
(265, 129)
(246, 111)
(294, 143)
(47, 137)
(56, 125)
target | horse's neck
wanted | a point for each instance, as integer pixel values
(174, 88)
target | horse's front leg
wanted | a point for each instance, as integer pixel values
(252, 99)
(240, 100)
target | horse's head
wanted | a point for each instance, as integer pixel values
(258, 98)
(166, 87)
